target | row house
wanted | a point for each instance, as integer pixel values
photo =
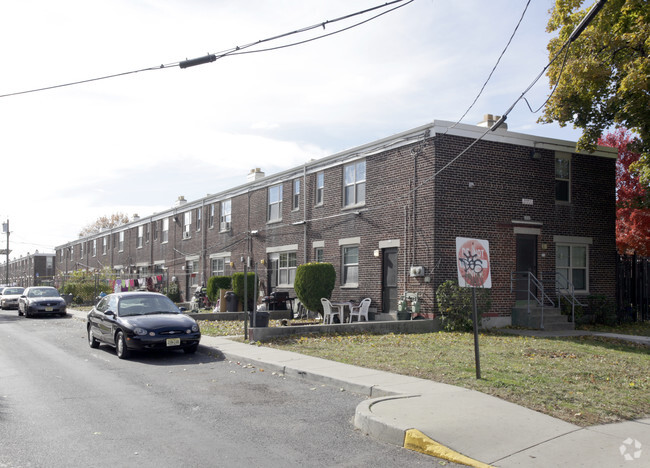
(386, 215)
(35, 269)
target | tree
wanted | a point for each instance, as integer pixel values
(605, 80)
(104, 222)
(314, 281)
(632, 213)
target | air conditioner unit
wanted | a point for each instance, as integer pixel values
(416, 271)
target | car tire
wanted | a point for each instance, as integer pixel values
(92, 341)
(191, 349)
(20, 314)
(120, 346)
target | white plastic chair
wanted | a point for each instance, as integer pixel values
(361, 310)
(328, 311)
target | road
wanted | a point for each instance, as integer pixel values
(63, 404)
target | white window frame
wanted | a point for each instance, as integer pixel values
(187, 224)
(165, 231)
(354, 184)
(104, 245)
(225, 216)
(120, 242)
(562, 158)
(572, 243)
(274, 204)
(285, 264)
(198, 219)
(295, 197)
(94, 247)
(139, 240)
(211, 216)
(320, 188)
(347, 266)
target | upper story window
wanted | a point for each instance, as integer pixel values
(295, 198)
(187, 224)
(275, 203)
(81, 250)
(224, 222)
(120, 242)
(154, 229)
(104, 245)
(94, 247)
(139, 239)
(562, 177)
(320, 187)
(198, 219)
(146, 233)
(354, 184)
(211, 216)
(165, 230)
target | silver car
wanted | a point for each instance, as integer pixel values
(9, 298)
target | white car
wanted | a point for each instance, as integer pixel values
(9, 298)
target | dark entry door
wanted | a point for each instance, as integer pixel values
(389, 280)
(526, 261)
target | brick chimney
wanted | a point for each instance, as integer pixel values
(254, 174)
(489, 120)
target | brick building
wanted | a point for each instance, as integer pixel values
(35, 269)
(377, 210)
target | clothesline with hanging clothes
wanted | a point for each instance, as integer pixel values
(150, 283)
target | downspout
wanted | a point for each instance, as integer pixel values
(204, 233)
(304, 212)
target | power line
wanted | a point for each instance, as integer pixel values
(237, 50)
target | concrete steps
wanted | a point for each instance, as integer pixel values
(552, 318)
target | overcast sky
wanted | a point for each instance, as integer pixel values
(134, 143)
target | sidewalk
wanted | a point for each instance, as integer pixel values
(460, 425)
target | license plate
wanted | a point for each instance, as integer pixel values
(173, 341)
(49, 309)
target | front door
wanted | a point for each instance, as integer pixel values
(526, 261)
(389, 280)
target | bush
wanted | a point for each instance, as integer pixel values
(455, 305)
(603, 309)
(84, 290)
(215, 283)
(238, 287)
(314, 281)
(173, 292)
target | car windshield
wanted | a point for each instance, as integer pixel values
(43, 292)
(146, 305)
(9, 291)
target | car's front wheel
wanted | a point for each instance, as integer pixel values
(92, 341)
(120, 346)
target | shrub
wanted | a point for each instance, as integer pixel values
(603, 309)
(314, 281)
(215, 283)
(238, 287)
(173, 292)
(455, 305)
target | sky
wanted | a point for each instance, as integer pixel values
(134, 143)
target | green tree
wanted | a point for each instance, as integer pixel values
(605, 80)
(314, 281)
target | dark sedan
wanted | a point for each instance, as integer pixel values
(41, 300)
(131, 321)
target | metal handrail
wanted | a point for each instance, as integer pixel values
(534, 288)
(567, 292)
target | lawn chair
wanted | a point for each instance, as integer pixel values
(361, 310)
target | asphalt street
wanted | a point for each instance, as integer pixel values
(63, 404)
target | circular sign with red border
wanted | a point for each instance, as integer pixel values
(473, 261)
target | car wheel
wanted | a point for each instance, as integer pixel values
(191, 349)
(20, 313)
(92, 342)
(120, 346)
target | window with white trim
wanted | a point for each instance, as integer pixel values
(192, 270)
(275, 203)
(94, 247)
(354, 184)
(562, 176)
(350, 265)
(198, 219)
(295, 204)
(283, 269)
(140, 237)
(320, 187)
(211, 216)
(165, 230)
(187, 225)
(81, 250)
(104, 245)
(218, 266)
(572, 266)
(225, 217)
(318, 254)
(120, 242)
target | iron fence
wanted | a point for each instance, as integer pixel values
(633, 288)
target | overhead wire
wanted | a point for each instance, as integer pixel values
(237, 50)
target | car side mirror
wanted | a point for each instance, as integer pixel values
(109, 313)
(182, 309)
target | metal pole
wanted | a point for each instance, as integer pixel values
(245, 306)
(255, 296)
(476, 352)
(8, 252)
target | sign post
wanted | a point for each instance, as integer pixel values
(473, 262)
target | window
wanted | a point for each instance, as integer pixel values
(218, 266)
(154, 228)
(296, 195)
(275, 203)
(139, 242)
(318, 254)
(81, 250)
(104, 245)
(211, 216)
(165, 230)
(94, 247)
(320, 187)
(146, 233)
(354, 184)
(351, 266)
(571, 266)
(120, 242)
(562, 177)
(224, 222)
(198, 219)
(187, 224)
(192, 269)
(283, 269)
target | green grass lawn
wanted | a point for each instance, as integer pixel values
(583, 380)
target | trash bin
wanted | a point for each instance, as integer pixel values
(231, 302)
(259, 318)
(68, 299)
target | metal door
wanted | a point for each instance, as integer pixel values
(526, 261)
(389, 280)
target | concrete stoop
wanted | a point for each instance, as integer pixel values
(548, 318)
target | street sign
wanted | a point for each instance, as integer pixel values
(4, 252)
(473, 262)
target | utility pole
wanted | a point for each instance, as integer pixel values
(5, 228)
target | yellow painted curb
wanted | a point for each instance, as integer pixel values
(417, 441)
